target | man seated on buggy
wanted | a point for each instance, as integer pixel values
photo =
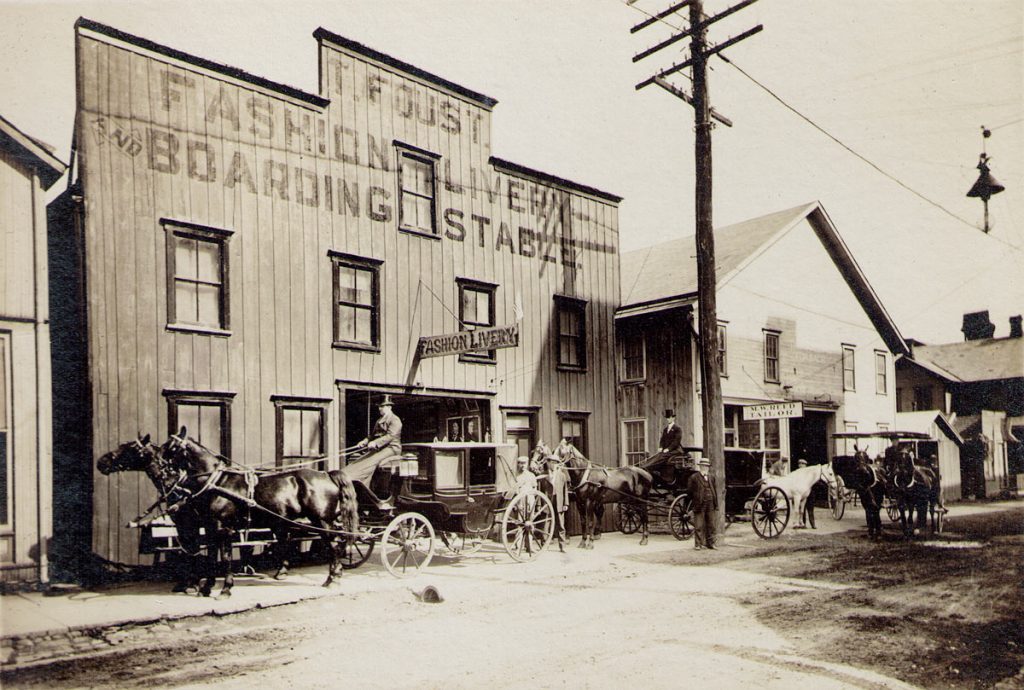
(386, 444)
(670, 456)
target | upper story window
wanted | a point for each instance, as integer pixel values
(849, 372)
(197, 278)
(571, 324)
(881, 373)
(771, 356)
(356, 302)
(923, 398)
(301, 429)
(723, 359)
(634, 357)
(417, 190)
(205, 415)
(476, 310)
(5, 428)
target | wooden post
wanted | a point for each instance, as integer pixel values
(711, 401)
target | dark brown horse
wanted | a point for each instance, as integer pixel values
(868, 480)
(594, 486)
(916, 489)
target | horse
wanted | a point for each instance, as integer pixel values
(861, 475)
(915, 488)
(595, 485)
(141, 455)
(228, 498)
(797, 486)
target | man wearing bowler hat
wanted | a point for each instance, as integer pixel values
(704, 501)
(386, 443)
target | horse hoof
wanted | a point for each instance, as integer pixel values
(643, 542)
(330, 583)
(223, 595)
(281, 575)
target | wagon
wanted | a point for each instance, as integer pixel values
(458, 493)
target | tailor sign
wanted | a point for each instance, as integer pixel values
(469, 341)
(773, 411)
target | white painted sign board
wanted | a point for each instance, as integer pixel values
(773, 411)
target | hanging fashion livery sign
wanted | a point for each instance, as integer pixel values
(469, 341)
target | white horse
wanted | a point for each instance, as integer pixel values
(798, 483)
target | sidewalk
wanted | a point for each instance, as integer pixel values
(37, 628)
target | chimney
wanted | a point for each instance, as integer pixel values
(1015, 326)
(977, 326)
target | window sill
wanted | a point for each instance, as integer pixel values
(478, 360)
(197, 330)
(361, 347)
(628, 382)
(420, 233)
(569, 368)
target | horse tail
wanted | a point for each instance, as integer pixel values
(348, 503)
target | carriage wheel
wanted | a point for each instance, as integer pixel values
(892, 510)
(836, 503)
(460, 544)
(769, 513)
(629, 518)
(407, 544)
(527, 525)
(356, 552)
(680, 517)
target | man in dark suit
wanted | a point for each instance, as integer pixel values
(671, 441)
(704, 501)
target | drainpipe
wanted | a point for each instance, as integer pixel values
(44, 407)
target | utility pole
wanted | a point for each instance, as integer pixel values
(712, 411)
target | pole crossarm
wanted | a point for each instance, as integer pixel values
(708, 53)
(658, 17)
(679, 93)
(689, 32)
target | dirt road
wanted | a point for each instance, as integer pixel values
(813, 609)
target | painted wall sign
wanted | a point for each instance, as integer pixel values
(469, 341)
(773, 411)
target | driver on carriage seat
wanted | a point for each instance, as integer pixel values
(386, 444)
(671, 443)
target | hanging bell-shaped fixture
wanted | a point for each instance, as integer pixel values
(986, 185)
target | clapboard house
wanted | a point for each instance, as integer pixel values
(264, 264)
(806, 348)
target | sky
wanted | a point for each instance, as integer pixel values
(907, 85)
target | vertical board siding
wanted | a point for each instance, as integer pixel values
(279, 174)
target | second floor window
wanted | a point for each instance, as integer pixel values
(416, 186)
(849, 373)
(881, 373)
(476, 310)
(356, 302)
(723, 360)
(571, 322)
(771, 356)
(634, 364)
(197, 277)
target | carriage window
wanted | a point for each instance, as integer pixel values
(881, 373)
(356, 302)
(416, 192)
(448, 471)
(573, 428)
(5, 430)
(301, 430)
(205, 415)
(771, 356)
(476, 310)
(849, 373)
(482, 469)
(571, 322)
(723, 360)
(197, 277)
(634, 363)
(634, 438)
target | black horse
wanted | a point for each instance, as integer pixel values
(861, 475)
(916, 489)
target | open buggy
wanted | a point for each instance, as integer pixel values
(455, 492)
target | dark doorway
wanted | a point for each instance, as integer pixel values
(808, 438)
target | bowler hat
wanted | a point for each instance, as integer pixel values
(385, 401)
(703, 461)
(670, 412)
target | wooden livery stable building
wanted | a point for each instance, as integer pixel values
(264, 265)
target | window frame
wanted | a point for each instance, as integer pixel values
(222, 399)
(7, 425)
(883, 375)
(361, 263)
(850, 350)
(626, 453)
(491, 290)
(576, 416)
(404, 151)
(918, 398)
(285, 403)
(722, 356)
(776, 336)
(579, 308)
(200, 233)
(624, 360)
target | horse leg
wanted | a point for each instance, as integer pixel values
(226, 546)
(281, 549)
(209, 576)
(581, 508)
(598, 519)
(643, 524)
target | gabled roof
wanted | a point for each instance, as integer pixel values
(930, 367)
(922, 421)
(31, 152)
(663, 275)
(989, 359)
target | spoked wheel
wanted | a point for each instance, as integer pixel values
(629, 518)
(527, 525)
(769, 513)
(837, 502)
(892, 510)
(460, 544)
(407, 544)
(680, 517)
(356, 552)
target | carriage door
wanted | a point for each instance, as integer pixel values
(521, 430)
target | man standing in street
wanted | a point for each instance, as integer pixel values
(553, 480)
(704, 501)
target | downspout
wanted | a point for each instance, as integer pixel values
(44, 407)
